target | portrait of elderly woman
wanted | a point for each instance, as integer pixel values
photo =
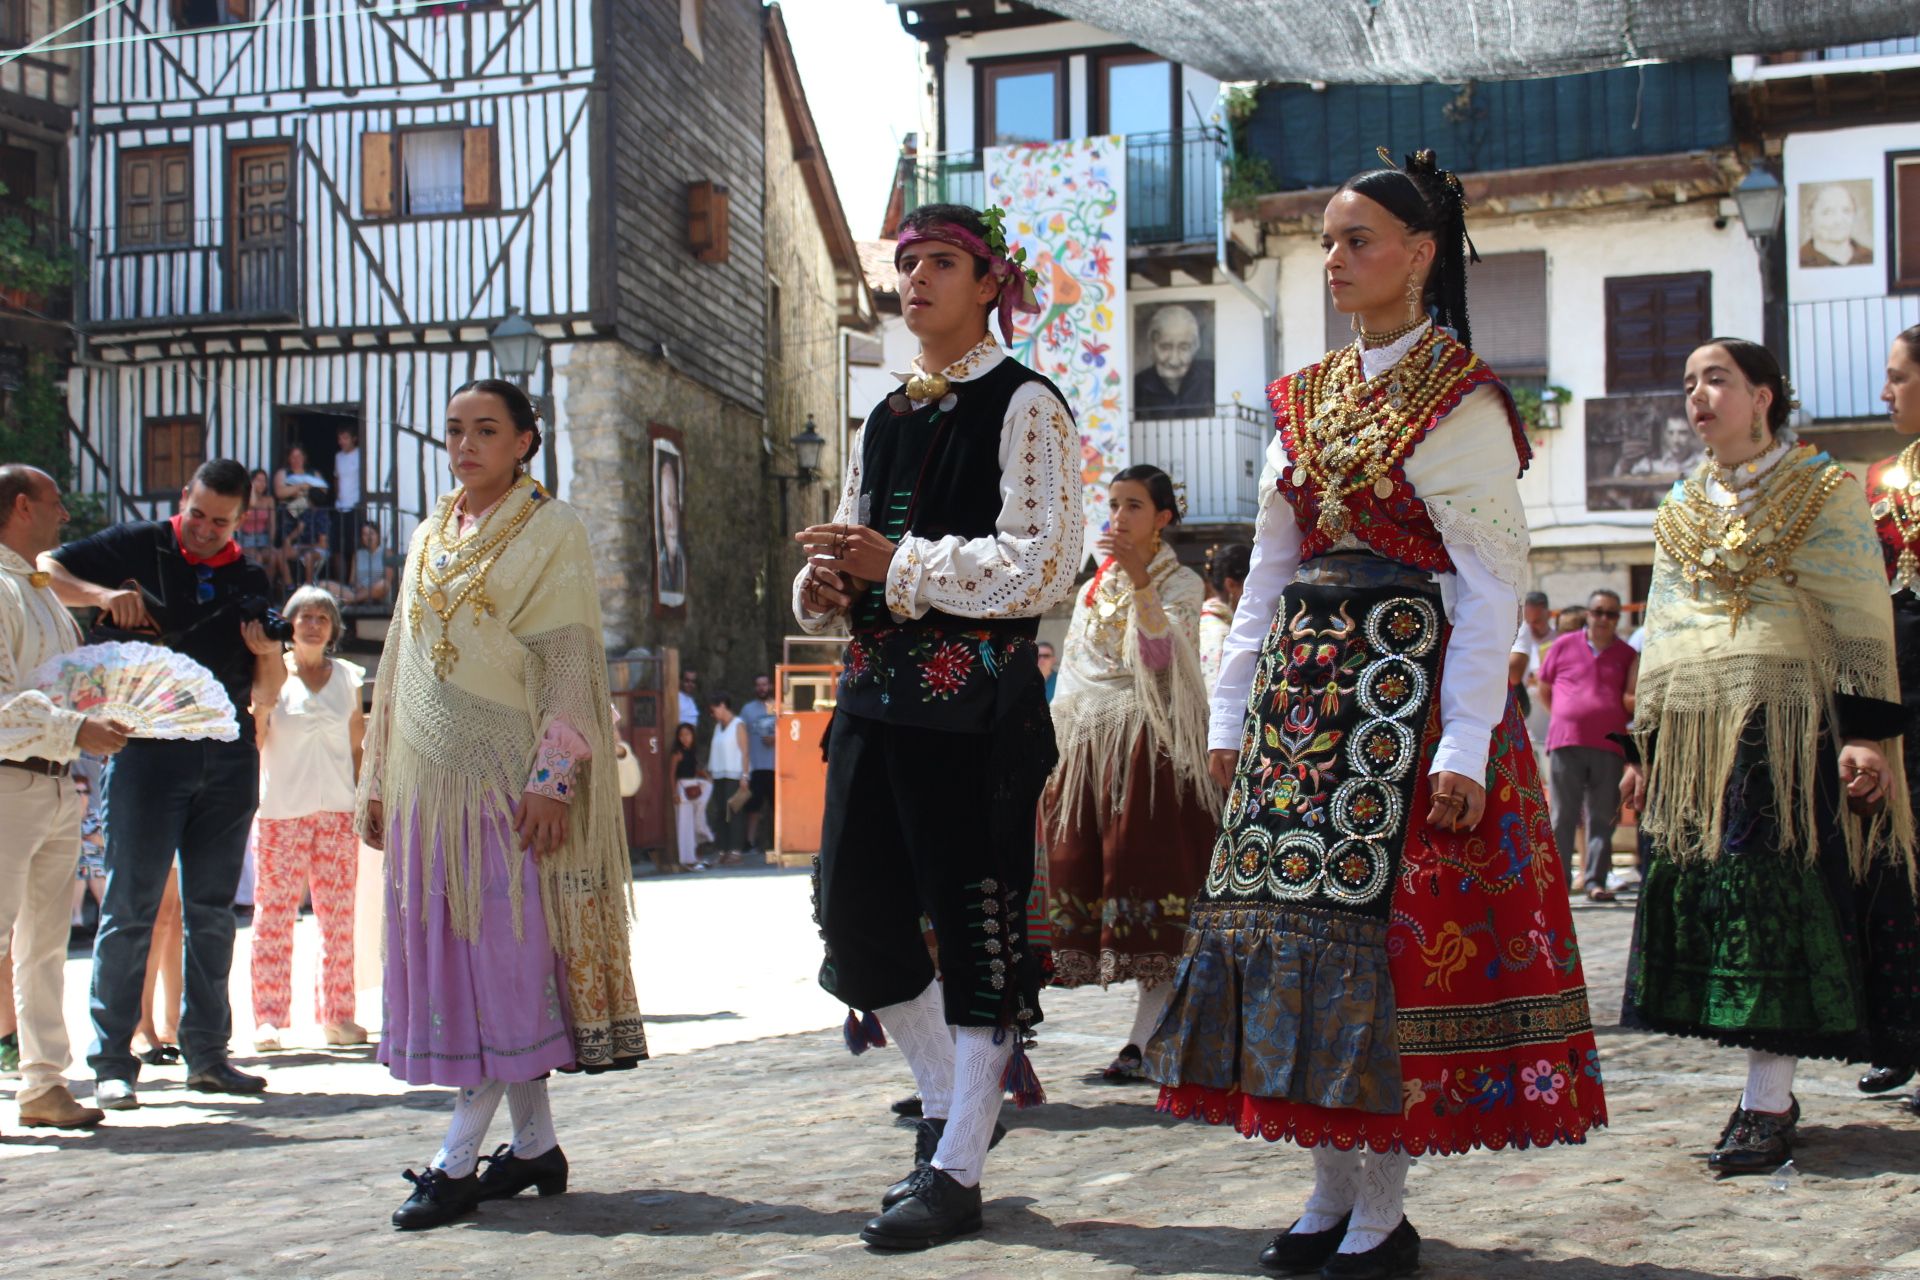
(1173, 359)
(1836, 223)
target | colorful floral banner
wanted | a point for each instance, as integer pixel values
(1066, 205)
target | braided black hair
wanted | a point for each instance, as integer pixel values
(1429, 199)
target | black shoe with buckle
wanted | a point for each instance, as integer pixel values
(437, 1199)
(1885, 1079)
(934, 1210)
(1397, 1255)
(1740, 1113)
(224, 1077)
(507, 1175)
(1301, 1253)
(926, 1140)
(1759, 1143)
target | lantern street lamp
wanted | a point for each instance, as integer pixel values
(1762, 202)
(517, 346)
(806, 452)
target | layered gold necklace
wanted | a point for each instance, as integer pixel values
(447, 554)
(1899, 497)
(1730, 548)
(1361, 428)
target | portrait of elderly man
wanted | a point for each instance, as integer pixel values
(1680, 451)
(1176, 367)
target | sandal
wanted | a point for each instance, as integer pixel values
(1126, 1067)
(161, 1055)
(1597, 894)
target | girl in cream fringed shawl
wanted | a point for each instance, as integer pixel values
(1769, 719)
(507, 870)
(1129, 817)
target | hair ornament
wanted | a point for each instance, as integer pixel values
(1180, 499)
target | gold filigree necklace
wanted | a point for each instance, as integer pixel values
(1899, 497)
(446, 554)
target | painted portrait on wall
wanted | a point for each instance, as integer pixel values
(1173, 360)
(1637, 446)
(669, 520)
(1836, 223)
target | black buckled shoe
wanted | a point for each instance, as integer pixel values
(1759, 1143)
(934, 1210)
(926, 1140)
(507, 1175)
(437, 1199)
(1740, 1113)
(1885, 1079)
(1302, 1253)
(908, 1106)
(1397, 1255)
(224, 1077)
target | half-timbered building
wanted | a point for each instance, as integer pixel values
(38, 92)
(303, 214)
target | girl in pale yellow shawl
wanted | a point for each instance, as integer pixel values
(1769, 721)
(506, 929)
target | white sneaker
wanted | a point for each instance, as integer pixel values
(115, 1095)
(266, 1038)
(1624, 879)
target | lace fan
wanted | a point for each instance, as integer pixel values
(155, 691)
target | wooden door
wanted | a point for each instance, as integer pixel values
(261, 262)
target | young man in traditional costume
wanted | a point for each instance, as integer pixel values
(960, 525)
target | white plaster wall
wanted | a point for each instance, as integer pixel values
(868, 385)
(1840, 155)
(1583, 251)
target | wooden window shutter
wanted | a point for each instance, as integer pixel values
(376, 175)
(478, 172)
(707, 221)
(1905, 229)
(1508, 298)
(1653, 325)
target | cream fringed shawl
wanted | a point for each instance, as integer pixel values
(1106, 698)
(454, 755)
(1827, 631)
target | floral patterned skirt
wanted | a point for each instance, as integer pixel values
(1118, 884)
(1352, 975)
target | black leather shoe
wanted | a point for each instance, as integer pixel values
(224, 1077)
(908, 1106)
(506, 1174)
(436, 1200)
(1760, 1143)
(1740, 1114)
(935, 1210)
(1885, 1079)
(926, 1140)
(1397, 1255)
(1302, 1253)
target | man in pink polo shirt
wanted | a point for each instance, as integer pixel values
(1586, 683)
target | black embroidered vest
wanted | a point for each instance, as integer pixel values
(935, 472)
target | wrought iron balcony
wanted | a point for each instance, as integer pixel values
(1839, 352)
(1173, 185)
(1216, 455)
(175, 272)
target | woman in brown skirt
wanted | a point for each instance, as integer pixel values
(1130, 816)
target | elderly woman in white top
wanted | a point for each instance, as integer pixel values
(310, 735)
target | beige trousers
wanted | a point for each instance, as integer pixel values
(41, 817)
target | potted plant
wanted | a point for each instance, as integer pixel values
(33, 264)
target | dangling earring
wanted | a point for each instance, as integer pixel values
(1756, 433)
(1353, 322)
(1413, 299)
(1155, 551)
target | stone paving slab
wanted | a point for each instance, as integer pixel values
(761, 1159)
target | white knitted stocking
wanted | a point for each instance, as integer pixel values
(979, 1066)
(919, 1027)
(472, 1112)
(1382, 1202)
(1336, 1185)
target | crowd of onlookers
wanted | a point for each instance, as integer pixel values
(722, 771)
(306, 527)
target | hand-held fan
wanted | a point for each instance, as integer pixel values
(156, 692)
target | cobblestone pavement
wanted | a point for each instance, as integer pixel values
(754, 1147)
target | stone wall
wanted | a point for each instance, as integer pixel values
(1570, 574)
(613, 395)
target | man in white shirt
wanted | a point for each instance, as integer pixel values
(347, 493)
(40, 807)
(1535, 638)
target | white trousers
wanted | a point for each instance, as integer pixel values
(41, 817)
(690, 817)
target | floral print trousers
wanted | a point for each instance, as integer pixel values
(291, 855)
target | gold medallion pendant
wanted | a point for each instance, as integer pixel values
(922, 387)
(474, 556)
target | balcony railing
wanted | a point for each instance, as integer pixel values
(175, 273)
(1173, 185)
(1840, 352)
(1216, 456)
(47, 244)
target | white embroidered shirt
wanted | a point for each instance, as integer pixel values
(33, 629)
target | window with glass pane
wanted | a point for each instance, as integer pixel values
(156, 198)
(432, 179)
(1023, 103)
(1136, 94)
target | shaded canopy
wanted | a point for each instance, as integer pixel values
(1406, 41)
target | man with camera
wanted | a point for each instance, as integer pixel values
(181, 583)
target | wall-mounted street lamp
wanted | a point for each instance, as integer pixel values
(806, 452)
(1762, 202)
(517, 346)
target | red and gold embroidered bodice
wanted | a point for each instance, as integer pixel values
(1893, 487)
(1348, 438)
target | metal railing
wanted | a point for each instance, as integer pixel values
(47, 238)
(1216, 456)
(165, 273)
(1173, 184)
(1840, 352)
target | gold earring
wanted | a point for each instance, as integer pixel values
(1353, 322)
(1413, 299)
(1756, 433)
(1156, 545)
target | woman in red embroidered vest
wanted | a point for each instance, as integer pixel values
(1381, 963)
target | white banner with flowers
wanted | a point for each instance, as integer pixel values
(1066, 205)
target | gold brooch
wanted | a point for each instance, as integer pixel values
(922, 387)
(39, 578)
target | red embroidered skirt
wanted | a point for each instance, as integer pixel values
(1352, 975)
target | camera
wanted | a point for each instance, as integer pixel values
(256, 609)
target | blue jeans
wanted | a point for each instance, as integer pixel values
(196, 799)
